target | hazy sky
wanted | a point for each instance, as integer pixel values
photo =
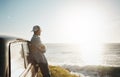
(72, 21)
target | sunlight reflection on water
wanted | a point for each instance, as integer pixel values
(84, 54)
(91, 53)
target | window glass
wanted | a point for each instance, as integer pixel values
(26, 52)
(25, 48)
(17, 59)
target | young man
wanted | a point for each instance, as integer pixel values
(37, 52)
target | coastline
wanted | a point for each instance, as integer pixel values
(95, 70)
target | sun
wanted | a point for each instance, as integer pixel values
(82, 25)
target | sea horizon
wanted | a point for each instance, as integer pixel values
(89, 63)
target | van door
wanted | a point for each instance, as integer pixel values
(18, 62)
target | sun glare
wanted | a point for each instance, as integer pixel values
(91, 53)
(91, 36)
(82, 24)
(85, 25)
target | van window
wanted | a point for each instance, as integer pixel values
(26, 52)
(17, 59)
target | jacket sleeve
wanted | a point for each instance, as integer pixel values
(42, 48)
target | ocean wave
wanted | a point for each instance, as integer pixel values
(94, 71)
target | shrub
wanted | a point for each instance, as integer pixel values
(57, 71)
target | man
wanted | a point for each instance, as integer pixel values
(37, 52)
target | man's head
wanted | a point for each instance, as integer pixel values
(36, 30)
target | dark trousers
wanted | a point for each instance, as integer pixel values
(43, 68)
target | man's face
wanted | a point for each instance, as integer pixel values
(38, 32)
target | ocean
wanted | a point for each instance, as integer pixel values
(86, 60)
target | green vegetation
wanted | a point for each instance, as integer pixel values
(57, 71)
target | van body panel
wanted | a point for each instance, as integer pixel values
(13, 52)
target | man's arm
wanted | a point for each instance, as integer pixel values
(42, 48)
(34, 48)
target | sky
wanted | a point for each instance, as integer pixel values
(62, 21)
